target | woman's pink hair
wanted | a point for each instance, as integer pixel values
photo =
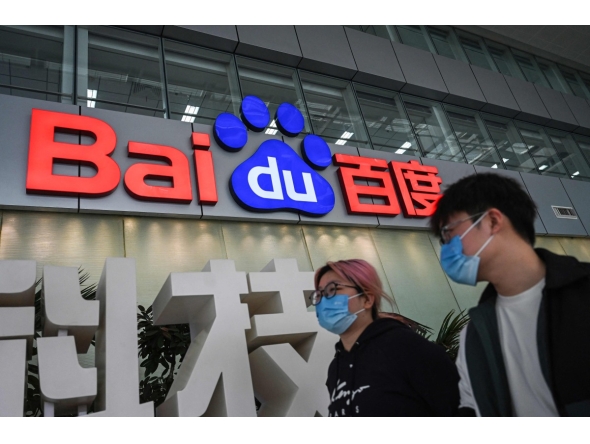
(360, 273)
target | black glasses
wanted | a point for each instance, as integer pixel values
(444, 231)
(328, 292)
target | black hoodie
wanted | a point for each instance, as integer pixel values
(392, 371)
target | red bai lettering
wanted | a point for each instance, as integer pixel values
(44, 151)
(178, 172)
(204, 169)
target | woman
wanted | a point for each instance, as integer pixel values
(381, 367)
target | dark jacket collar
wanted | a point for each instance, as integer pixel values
(560, 271)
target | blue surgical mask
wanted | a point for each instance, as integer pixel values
(333, 314)
(459, 267)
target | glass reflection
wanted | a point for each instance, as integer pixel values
(575, 82)
(553, 76)
(333, 111)
(386, 121)
(473, 138)
(512, 149)
(122, 72)
(570, 154)
(547, 158)
(201, 83)
(476, 50)
(415, 36)
(31, 62)
(446, 43)
(530, 68)
(504, 60)
(274, 84)
(432, 129)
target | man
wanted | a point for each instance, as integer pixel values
(525, 351)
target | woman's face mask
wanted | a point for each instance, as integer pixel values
(459, 267)
(333, 314)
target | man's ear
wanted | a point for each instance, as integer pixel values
(497, 220)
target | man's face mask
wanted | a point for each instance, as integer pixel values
(459, 267)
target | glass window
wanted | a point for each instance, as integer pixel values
(504, 60)
(446, 43)
(415, 36)
(432, 129)
(553, 76)
(473, 137)
(546, 157)
(475, 49)
(529, 68)
(584, 145)
(201, 83)
(33, 63)
(386, 121)
(333, 110)
(570, 154)
(120, 71)
(385, 31)
(512, 149)
(273, 84)
(574, 82)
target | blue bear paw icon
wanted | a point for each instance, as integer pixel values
(275, 178)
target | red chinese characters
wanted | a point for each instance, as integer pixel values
(418, 186)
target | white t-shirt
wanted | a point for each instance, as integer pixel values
(517, 324)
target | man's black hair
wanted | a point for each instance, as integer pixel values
(480, 192)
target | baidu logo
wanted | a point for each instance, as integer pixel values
(275, 177)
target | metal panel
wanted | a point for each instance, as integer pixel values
(449, 172)
(132, 127)
(460, 81)
(578, 248)
(467, 296)
(222, 37)
(421, 73)
(273, 43)
(547, 191)
(325, 49)
(581, 111)
(339, 215)
(15, 126)
(414, 273)
(496, 91)
(337, 243)
(225, 163)
(578, 193)
(399, 221)
(528, 99)
(539, 227)
(561, 115)
(253, 245)
(70, 240)
(162, 246)
(375, 60)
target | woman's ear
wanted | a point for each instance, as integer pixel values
(369, 300)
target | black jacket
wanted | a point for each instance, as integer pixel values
(562, 341)
(392, 371)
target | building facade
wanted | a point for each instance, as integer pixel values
(399, 113)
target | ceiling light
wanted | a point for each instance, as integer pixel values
(91, 94)
(505, 160)
(346, 135)
(406, 145)
(271, 131)
(542, 167)
(400, 151)
(495, 166)
(576, 173)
